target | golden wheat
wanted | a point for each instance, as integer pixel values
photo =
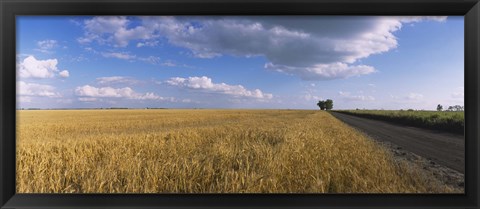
(203, 151)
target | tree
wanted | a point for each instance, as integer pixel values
(458, 108)
(439, 107)
(321, 104)
(329, 104)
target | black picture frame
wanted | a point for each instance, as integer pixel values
(470, 9)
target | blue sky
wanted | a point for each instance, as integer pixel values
(239, 62)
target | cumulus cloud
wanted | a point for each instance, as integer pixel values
(34, 89)
(308, 47)
(313, 48)
(350, 97)
(64, 74)
(113, 29)
(30, 67)
(46, 46)
(109, 92)
(205, 84)
(91, 91)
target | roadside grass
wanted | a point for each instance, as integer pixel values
(449, 121)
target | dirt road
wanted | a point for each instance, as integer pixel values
(443, 148)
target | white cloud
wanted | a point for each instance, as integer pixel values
(109, 92)
(350, 97)
(312, 48)
(118, 55)
(113, 29)
(324, 71)
(205, 84)
(64, 74)
(147, 43)
(124, 55)
(127, 56)
(150, 59)
(116, 80)
(414, 96)
(46, 45)
(91, 91)
(30, 67)
(34, 89)
(411, 19)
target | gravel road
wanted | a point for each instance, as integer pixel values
(443, 148)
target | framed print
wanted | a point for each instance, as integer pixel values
(252, 104)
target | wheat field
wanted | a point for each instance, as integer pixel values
(204, 151)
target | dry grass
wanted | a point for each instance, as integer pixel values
(203, 151)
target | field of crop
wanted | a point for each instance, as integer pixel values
(450, 121)
(204, 151)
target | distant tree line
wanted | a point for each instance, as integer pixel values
(451, 108)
